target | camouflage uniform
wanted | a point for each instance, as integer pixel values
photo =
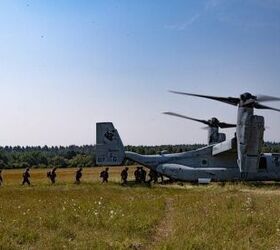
(104, 175)
(143, 174)
(124, 175)
(52, 175)
(137, 175)
(153, 176)
(78, 175)
(26, 176)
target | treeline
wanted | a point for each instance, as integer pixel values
(151, 150)
(271, 147)
(45, 157)
(84, 156)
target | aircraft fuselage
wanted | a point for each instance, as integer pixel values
(194, 165)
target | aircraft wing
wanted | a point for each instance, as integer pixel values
(224, 146)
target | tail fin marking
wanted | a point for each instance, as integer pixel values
(109, 146)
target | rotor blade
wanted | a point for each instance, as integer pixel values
(186, 117)
(205, 128)
(229, 100)
(226, 125)
(260, 106)
(267, 98)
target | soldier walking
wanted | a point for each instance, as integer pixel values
(161, 177)
(143, 174)
(52, 175)
(78, 175)
(104, 175)
(153, 176)
(124, 175)
(137, 175)
(26, 176)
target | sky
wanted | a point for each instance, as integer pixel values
(65, 65)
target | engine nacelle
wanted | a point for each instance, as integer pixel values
(249, 142)
(222, 137)
(214, 136)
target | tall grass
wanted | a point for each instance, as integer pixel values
(110, 216)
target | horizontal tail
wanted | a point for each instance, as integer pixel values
(109, 146)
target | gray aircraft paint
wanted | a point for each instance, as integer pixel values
(237, 159)
(217, 162)
(249, 128)
(109, 147)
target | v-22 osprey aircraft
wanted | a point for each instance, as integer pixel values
(237, 159)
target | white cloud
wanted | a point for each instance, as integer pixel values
(210, 4)
(184, 25)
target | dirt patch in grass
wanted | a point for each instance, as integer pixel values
(164, 229)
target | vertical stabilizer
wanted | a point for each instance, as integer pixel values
(109, 147)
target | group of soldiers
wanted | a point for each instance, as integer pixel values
(139, 174)
(50, 174)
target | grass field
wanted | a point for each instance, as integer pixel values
(110, 216)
